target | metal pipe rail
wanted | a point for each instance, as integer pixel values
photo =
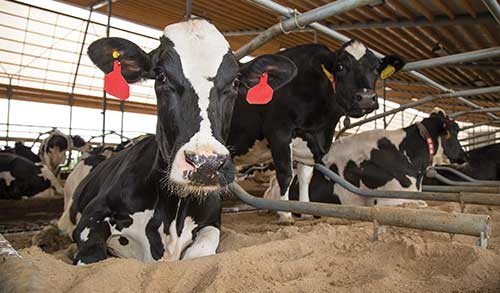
(465, 176)
(6, 250)
(461, 197)
(455, 223)
(484, 110)
(299, 21)
(462, 189)
(479, 124)
(494, 9)
(288, 12)
(479, 135)
(464, 93)
(487, 141)
(456, 58)
(431, 173)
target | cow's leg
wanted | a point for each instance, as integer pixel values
(281, 150)
(205, 243)
(304, 175)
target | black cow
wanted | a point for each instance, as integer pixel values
(20, 177)
(161, 197)
(384, 160)
(24, 151)
(328, 86)
(482, 163)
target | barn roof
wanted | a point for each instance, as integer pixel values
(414, 29)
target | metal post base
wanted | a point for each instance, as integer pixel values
(482, 241)
(377, 230)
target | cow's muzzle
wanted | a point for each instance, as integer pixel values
(365, 101)
(209, 169)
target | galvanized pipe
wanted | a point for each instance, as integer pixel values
(464, 176)
(461, 189)
(300, 21)
(484, 110)
(471, 198)
(481, 142)
(288, 12)
(494, 9)
(464, 93)
(479, 124)
(456, 58)
(455, 223)
(479, 135)
(432, 173)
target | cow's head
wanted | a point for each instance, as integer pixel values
(355, 69)
(448, 149)
(197, 82)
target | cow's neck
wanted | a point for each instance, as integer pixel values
(416, 147)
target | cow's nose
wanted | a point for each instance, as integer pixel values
(367, 98)
(213, 162)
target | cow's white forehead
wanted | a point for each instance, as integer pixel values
(200, 46)
(356, 49)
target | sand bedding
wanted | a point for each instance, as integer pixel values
(259, 255)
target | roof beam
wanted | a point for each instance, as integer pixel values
(494, 9)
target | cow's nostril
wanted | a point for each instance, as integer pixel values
(359, 97)
(374, 98)
(192, 158)
(221, 160)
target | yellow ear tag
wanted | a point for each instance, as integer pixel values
(327, 73)
(116, 54)
(388, 71)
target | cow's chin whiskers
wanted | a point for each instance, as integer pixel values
(184, 190)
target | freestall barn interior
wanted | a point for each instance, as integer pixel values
(452, 54)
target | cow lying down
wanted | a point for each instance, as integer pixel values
(160, 199)
(20, 177)
(380, 160)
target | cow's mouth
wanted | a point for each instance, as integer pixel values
(359, 112)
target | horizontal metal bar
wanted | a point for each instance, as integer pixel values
(456, 58)
(461, 189)
(432, 173)
(472, 198)
(462, 175)
(469, 92)
(487, 141)
(479, 124)
(300, 21)
(455, 223)
(473, 66)
(479, 135)
(483, 110)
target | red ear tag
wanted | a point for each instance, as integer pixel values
(261, 93)
(334, 84)
(115, 84)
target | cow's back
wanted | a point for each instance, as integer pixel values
(115, 180)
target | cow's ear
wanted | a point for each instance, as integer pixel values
(389, 65)
(78, 141)
(280, 70)
(135, 63)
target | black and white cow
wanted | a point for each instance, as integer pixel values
(24, 151)
(160, 199)
(383, 160)
(328, 86)
(53, 148)
(20, 177)
(87, 163)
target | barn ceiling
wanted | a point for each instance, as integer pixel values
(414, 29)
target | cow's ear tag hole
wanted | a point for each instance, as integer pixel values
(261, 93)
(114, 82)
(388, 71)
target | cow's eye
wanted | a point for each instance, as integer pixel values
(340, 67)
(236, 82)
